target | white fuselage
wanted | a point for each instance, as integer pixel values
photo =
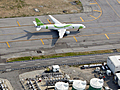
(61, 26)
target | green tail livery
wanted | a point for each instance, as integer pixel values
(39, 23)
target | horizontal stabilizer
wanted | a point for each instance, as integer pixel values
(35, 23)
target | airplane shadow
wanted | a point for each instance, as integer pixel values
(29, 35)
(53, 32)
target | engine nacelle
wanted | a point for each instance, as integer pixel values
(67, 32)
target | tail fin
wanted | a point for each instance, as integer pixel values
(39, 23)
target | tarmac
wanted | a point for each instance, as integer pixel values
(18, 51)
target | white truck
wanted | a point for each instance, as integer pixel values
(55, 68)
(113, 62)
(117, 79)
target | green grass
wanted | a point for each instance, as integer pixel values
(58, 55)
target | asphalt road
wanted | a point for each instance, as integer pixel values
(19, 38)
(34, 64)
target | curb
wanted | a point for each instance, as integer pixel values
(63, 57)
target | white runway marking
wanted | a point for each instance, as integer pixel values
(64, 61)
(7, 66)
(37, 63)
(23, 65)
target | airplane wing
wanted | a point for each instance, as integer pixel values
(54, 20)
(61, 32)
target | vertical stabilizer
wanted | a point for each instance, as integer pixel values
(39, 23)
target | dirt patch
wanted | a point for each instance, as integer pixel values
(16, 8)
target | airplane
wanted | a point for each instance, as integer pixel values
(60, 27)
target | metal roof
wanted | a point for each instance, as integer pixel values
(115, 59)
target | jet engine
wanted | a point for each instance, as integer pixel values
(67, 32)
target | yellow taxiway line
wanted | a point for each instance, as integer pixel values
(93, 16)
(42, 41)
(96, 10)
(92, 3)
(118, 1)
(81, 19)
(18, 23)
(75, 38)
(113, 9)
(48, 21)
(66, 37)
(107, 36)
(8, 44)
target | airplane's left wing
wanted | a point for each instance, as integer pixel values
(61, 32)
(54, 20)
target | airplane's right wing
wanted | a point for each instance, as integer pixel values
(61, 32)
(54, 20)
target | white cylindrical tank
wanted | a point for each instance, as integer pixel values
(96, 84)
(79, 85)
(61, 86)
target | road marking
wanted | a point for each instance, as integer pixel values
(75, 38)
(51, 62)
(91, 58)
(18, 23)
(81, 19)
(93, 16)
(22, 64)
(96, 10)
(8, 44)
(107, 36)
(92, 3)
(64, 61)
(70, 36)
(113, 9)
(2, 64)
(78, 59)
(118, 1)
(7, 66)
(42, 41)
(48, 21)
(37, 63)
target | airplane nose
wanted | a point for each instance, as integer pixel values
(83, 26)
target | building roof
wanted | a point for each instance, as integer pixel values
(115, 60)
(79, 84)
(96, 83)
(62, 86)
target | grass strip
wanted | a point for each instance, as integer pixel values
(59, 55)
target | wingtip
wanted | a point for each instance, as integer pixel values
(49, 15)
